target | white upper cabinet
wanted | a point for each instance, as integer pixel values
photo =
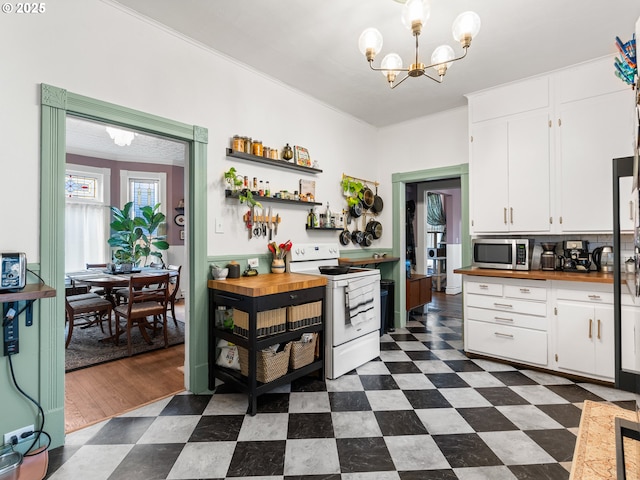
(553, 138)
(591, 134)
(627, 204)
(510, 160)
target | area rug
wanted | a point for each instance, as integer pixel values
(594, 457)
(86, 348)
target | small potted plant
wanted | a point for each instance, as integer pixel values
(232, 180)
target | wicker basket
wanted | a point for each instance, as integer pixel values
(268, 323)
(303, 353)
(305, 315)
(269, 365)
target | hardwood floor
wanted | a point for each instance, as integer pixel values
(97, 393)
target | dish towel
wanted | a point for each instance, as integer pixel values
(359, 302)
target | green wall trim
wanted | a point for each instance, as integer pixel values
(56, 103)
(398, 193)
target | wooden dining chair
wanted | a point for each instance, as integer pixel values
(148, 297)
(85, 310)
(174, 289)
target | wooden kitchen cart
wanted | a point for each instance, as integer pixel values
(253, 295)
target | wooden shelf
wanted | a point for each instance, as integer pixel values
(31, 291)
(366, 261)
(275, 163)
(260, 198)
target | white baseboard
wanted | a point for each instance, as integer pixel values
(453, 290)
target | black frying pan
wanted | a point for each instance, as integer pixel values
(335, 270)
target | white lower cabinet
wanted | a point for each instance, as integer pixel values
(506, 319)
(630, 339)
(585, 339)
(557, 325)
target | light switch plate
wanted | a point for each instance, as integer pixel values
(219, 225)
(253, 262)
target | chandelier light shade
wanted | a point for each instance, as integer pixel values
(415, 14)
(122, 138)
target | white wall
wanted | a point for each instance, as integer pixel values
(97, 49)
(438, 140)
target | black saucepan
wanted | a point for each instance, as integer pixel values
(375, 229)
(345, 237)
(356, 210)
(357, 237)
(335, 270)
(367, 198)
(368, 239)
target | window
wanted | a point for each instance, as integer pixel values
(87, 214)
(143, 188)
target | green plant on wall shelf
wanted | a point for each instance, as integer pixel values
(246, 196)
(354, 189)
(232, 180)
(134, 237)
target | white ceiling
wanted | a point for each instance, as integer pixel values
(312, 45)
(89, 138)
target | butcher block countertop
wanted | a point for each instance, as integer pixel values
(592, 277)
(366, 261)
(268, 284)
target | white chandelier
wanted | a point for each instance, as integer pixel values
(415, 14)
(122, 138)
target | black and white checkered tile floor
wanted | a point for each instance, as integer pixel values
(423, 410)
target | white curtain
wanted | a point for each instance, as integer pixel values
(85, 235)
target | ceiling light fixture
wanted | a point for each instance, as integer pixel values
(415, 14)
(122, 138)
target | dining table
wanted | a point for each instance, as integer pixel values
(108, 280)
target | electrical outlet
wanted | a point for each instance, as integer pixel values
(253, 262)
(18, 433)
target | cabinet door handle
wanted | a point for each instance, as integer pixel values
(504, 335)
(598, 329)
(505, 215)
(590, 327)
(504, 305)
(503, 319)
(511, 215)
(594, 297)
(483, 287)
(630, 210)
(525, 290)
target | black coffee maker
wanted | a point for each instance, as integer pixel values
(576, 256)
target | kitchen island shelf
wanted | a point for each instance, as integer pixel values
(253, 295)
(261, 198)
(268, 161)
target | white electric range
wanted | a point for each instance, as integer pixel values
(352, 313)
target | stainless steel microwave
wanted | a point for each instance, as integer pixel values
(502, 253)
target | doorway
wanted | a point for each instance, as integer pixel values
(56, 103)
(436, 227)
(110, 166)
(400, 181)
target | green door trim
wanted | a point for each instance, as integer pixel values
(56, 103)
(398, 192)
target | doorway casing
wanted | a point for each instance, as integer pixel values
(56, 103)
(399, 182)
